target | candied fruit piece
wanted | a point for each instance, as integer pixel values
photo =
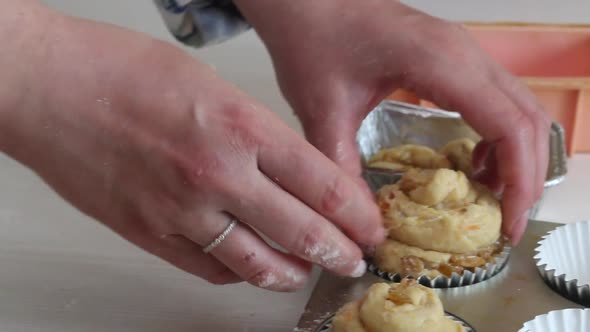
(467, 261)
(398, 297)
(447, 269)
(486, 254)
(411, 265)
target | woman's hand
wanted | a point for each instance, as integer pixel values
(140, 136)
(336, 60)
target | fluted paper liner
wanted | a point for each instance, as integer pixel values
(326, 325)
(563, 260)
(568, 320)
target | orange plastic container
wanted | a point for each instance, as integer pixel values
(554, 61)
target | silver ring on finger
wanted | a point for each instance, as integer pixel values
(221, 236)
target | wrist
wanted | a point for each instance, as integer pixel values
(283, 17)
(23, 40)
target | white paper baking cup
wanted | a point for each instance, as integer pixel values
(568, 320)
(456, 280)
(326, 324)
(563, 260)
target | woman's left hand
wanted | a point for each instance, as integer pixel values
(336, 60)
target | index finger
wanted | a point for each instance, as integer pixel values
(315, 180)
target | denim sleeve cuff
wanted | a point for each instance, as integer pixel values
(200, 23)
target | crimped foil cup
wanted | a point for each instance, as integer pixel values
(394, 123)
(568, 320)
(563, 262)
(456, 280)
(326, 324)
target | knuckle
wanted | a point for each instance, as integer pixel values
(201, 171)
(461, 47)
(244, 127)
(320, 245)
(523, 125)
(204, 161)
(335, 196)
(197, 169)
(271, 279)
(540, 119)
(449, 45)
(257, 272)
(308, 242)
(249, 257)
(264, 278)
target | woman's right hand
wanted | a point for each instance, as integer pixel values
(143, 138)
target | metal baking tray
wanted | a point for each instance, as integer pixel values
(502, 304)
(394, 123)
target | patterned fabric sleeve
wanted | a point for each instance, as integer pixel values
(202, 22)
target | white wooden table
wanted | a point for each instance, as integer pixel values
(61, 271)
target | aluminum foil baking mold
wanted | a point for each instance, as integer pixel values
(326, 325)
(394, 123)
(456, 280)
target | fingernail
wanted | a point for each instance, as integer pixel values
(515, 240)
(516, 222)
(516, 230)
(360, 269)
(477, 169)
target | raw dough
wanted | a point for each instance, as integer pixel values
(459, 152)
(456, 154)
(404, 157)
(440, 210)
(403, 307)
